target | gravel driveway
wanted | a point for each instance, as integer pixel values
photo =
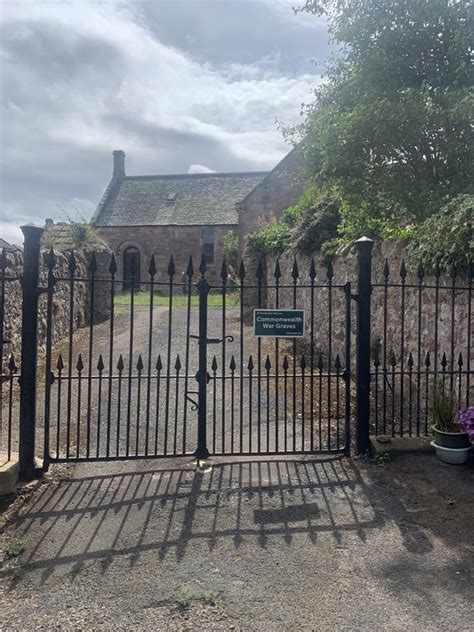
(316, 544)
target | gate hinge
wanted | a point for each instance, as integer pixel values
(355, 297)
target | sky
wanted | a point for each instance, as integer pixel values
(182, 86)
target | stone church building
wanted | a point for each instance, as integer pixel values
(188, 214)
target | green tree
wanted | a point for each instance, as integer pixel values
(390, 132)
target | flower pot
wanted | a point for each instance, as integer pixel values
(451, 439)
(454, 456)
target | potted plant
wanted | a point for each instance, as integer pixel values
(446, 428)
(454, 433)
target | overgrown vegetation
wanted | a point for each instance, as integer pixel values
(305, 226)
(446, 236)
(76, 234)
(389, 134)
(231, 248)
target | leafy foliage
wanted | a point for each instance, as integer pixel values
(308, 224)
(14, 547)
(231, 248)
(446, 237)
(389, 132)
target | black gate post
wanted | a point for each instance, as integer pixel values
(202, 452)
(363, 248)
(29, 315)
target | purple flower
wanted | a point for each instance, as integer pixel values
(466, 421)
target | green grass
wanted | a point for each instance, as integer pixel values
(142, 299)
(211, 596)
(14, 547)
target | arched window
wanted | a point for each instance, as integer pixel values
(131, 267)
(208, 244)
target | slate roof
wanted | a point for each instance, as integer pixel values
(207, 198)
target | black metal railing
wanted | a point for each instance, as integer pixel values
(421, 341)
(9, 371)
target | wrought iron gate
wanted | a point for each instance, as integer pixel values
(175, 369)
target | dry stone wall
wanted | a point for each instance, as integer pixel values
(413, 321)
(81, 298)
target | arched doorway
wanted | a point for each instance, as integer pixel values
(131, 263)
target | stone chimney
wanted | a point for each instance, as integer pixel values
(119, 163)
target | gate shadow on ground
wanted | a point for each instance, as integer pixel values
(169, 511)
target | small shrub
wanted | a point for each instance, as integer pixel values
(14, 547)
(210, 596)
(383, 458)
(82, 233)
(182, 596)
(271, 239)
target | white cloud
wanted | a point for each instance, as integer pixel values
(80, 79)
(196, 168)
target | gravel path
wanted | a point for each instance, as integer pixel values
(317, 544)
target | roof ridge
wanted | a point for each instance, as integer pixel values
(198, 175)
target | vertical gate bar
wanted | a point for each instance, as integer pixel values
(189, 276)
(394, 364)
(92, 270)
(100, 369)
(79, 367)
(214, 403)
(420, 274)
(130, 353)
(60, 367)
(241, 354)
(295, 275)
(259, 275)
(285, 402)
(386, 274)
(410, 395)
(159, 368)
(12, 368)
(171, 272)
(112, 270)
(469, 332)
(437, 275)
(320, 397)
(267, 369)
(72, 269)
(151, 273)
(29, 313)
(223, 369)
(453, 300)
(202, 452)
(337, 365)
(177, 367)
(330, 275)
(427, 388)
(312, 276)
(303, 369)
(120, 366)
(277, 275)
(403, 274)
(139, 388)
(250, 369)
(232, 402)
(364, 288)
(347, 387)
(50, 263)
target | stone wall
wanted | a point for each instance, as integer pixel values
(163, 241)
(281, 188)
(418, 334)
(81, 298)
